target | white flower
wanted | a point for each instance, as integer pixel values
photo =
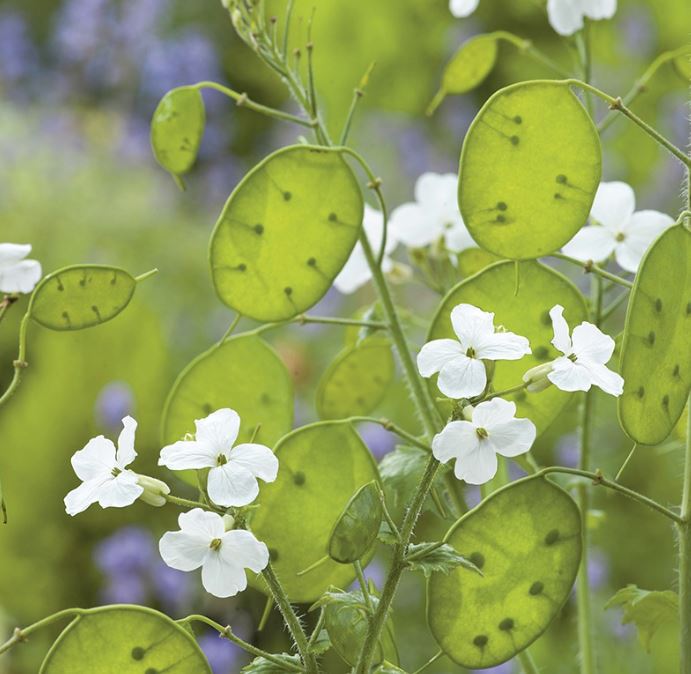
(356, 271)
(567, 16)
(433, 215)
(618, 230)
(223, 555)
(585, 355)
(463, 8)
(104, 474)
(493, 429)
(462, 373)
(17, 275)
(234, 470)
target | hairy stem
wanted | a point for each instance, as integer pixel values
(684, 529)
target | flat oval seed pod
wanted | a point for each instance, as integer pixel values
(357, 380)
(81, 296)
(526, 540)
(530, 167)
(321, 466)
(526, 313)
(473, 260)
(285, 233)
(126, 640)
(177, 128)
(356, 529)
(245, 374)
(656, 354)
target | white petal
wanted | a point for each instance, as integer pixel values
(232, 485)
(435, 354)
(462, 377)
(491, 412)
(471, 324)
(642, 230)
(503, 346)
(565, 16)
(221, 578)
(220, 429)
(610, 382)
(95, 460)
(513, 437)
(198, 522)
(413, 226)
(561, 340)
(187, 455)
(126, 452)
(79, 499)
(589, 342)
(478, 466)
(594, 243)
(599, 9)
(613, 205)
(373, 224)
(569, 376)
(457, 237)
(463, 8)
(21, 277)
(354, 273)
(257, 459)
(457, 437)
(120, 491)
(11, 253)
(182, 551)
(242, 548)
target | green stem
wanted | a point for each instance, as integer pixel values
(527, 47)
(291, 620)
(317, 628)
(684, 530)
(231, 328)
(363, 586)
(19, 364)
(227, 633)
(393, 428)
(303, 319)
(187, 503)
(357, 95)
(508, 391)
(146, 275)
(527, 663)
(431, 661)
(22, 634)
(620, 472)
(590, 267)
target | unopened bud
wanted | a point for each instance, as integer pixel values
(228, 522)
(467, 412)
(399, 273)
(536, 378)
(155, 491)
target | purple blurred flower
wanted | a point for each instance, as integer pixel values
(515, 471)
(17, 52)
(598, 568)
(378, 439)
(114, 402)
(473, 495)
(223, 656)
(504, 668)
(130, 550)
(376, 572)
(173, 588)
(124, 589)
(568, 450)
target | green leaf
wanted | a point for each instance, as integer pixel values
(358, 526)
(321, 466)
(526, 540)
(321, 644)
(648, 610)
(655, 354)
(285, 233)
(387, 668)
(530, 167)
(126, 640)
(468, 68)
(525, 313)
(243, 373)
(357, 380)
(81, 296)
(474, 260)
(431, 558)
(177, 128)
(263, 666)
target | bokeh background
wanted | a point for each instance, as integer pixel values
(79, 80)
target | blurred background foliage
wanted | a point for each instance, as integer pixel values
(79, 80)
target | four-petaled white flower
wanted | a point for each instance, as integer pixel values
(222, 555)
(356, 272)
(234, 471)
(104, 474)
(17, 275)
(462, 373)
(617, 229)
(433, 215)
(568, 16)
(586, 352)
(493, 429)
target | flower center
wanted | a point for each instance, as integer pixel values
(572, 357)
(482, 433)
(470, 352)
(448, 225)
(620, 237)
(215, 544)
(115, 472)
(221, 460)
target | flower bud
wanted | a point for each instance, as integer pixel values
(536, 378)
(467, 412)
(399, 273)
(228, 522)
(155, 491)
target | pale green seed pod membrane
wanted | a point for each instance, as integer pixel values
(245, 374)
(81, 296)
(526, 314)
(468, 68)
(530, 166)
(356, 529)
(474, 260)
(655, 355)
(126, 640)
(526, 540)
(357, 380)
(177, 128)
(321, 466)
(285, 233)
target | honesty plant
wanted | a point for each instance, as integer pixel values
(298, 513)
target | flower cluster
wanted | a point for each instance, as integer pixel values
(206, 539)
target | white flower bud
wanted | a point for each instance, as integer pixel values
(536, 378)
(228, 522)
(155, 491)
